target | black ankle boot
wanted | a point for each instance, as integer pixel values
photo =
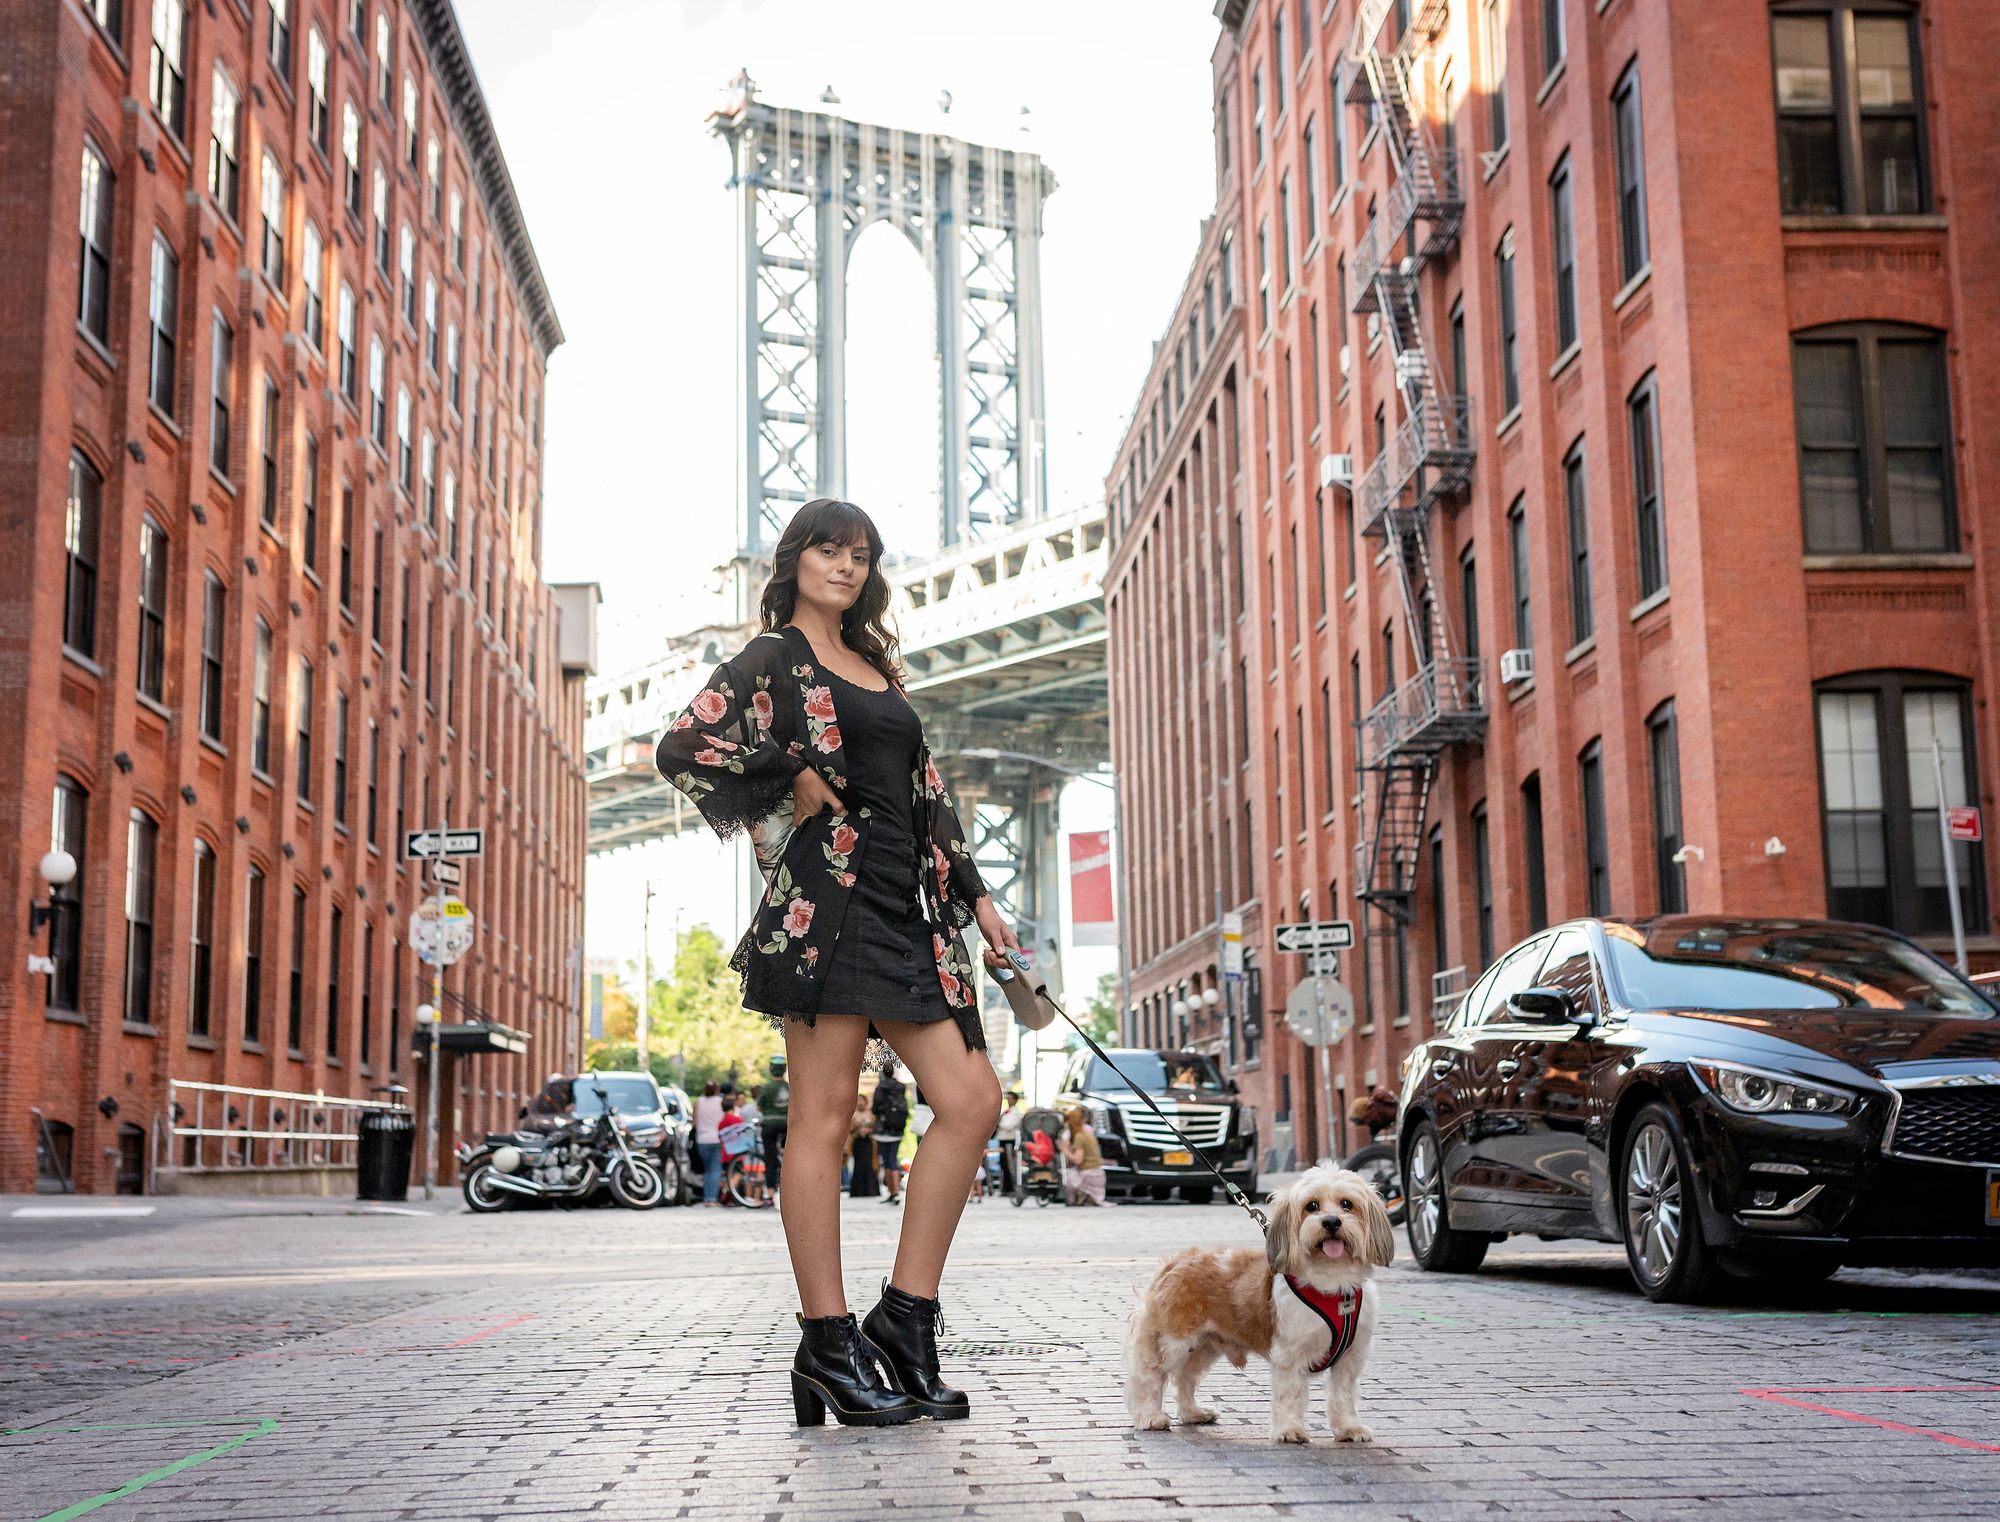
(835, 1367)
(904, 1330)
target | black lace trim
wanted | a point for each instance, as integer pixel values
(750, 803)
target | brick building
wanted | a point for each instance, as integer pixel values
(272, 381)
(1606, 504)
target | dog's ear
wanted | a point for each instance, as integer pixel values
(1381, 1233)
(1281, 1237)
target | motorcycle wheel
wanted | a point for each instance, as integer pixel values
(639, 1187)
(481, 1197)
(1377, 1163)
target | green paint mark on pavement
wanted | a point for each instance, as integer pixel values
(130, 1487)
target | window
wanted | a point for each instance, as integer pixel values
(1582, 621)
(1596, 846)
(339, 757)
(202, 942)
(1555, 41)
(1278, 58)
(410, 120)
(431, 322)
(260, 702)
(375, 592)
(1285, 232)
(141, 848)
(367, 990)
(1646, 487)
(403, 629)
(451, 364)
(1310, 154)
(110, 18)
(380, 203)
(166, 71)
(374, 777)
(317, 114)
(344, 335)
(384, 73)
(433, 158)
(295, 1011)
(346, 547)
(451, 515)
(378, 398)
(1663, 749)
(271, 198)
(163, 314)
(1879, 799)
(1562, 220)
(221, 374)
(1460, 371)
(1263, 275)
(152, 610)
(1850, 109)
(1257, 115)
(93, 289)
(1337, 120)
(225, 171)
(350, 156)
(1510, 373)
(1482, 883)
(1494, 34)
(405, 467)
(253, 957)
(309, 505)
(457, 225)
(1517, 556)
(1468, 601)
(281, 39)
(313, 278)
(430, 480)
(267, 507)
(304, 707)
(81, 515)
(1630, 156)
(406, 269)
(1872, 421)
(1532, 850)
(66, 833)
(214, 606)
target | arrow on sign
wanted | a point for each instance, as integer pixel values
(1321, 935)
(426, 843)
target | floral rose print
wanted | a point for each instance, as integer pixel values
(799, 917)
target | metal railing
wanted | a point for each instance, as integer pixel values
(1439, 706)
(1436, 435)
(222, 1128)
(1447, 988)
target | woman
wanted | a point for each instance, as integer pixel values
(805, 739)
(1083, 1161)
(861, 1184)
(707, 1118)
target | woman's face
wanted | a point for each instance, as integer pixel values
(830, 576)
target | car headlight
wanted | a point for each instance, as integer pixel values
(1755, 1092)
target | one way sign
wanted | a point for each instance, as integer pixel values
(428, 843)
(1321, 935)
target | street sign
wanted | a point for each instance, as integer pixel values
(1320, 1011)
(422, 844)
(1963, 822)
(1320, 935)
(441, 932)
(448, 873)
(1232, 944)
(1327, 962)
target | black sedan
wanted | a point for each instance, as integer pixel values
(1755, 1095)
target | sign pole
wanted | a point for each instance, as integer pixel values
(1950, 858)
(437, 999)
(1325, 1056)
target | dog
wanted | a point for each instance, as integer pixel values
(1329, 1232)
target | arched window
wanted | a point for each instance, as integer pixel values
(67, 832)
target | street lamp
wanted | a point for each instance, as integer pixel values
(58, 869)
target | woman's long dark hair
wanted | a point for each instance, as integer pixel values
(829, 520)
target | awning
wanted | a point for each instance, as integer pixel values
(470, 1038)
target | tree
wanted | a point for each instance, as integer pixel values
(695, 1015)
(1101, 1017)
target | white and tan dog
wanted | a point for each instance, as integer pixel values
(1329, 1232)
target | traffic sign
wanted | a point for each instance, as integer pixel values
(1320, 935)
(1320, 1011)
(441, 931)
(447, 873)
(427, 843)
(1963, 822)
(1327, 962)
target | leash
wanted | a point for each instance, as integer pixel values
(1235, 1194)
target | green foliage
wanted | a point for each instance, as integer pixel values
(1101, 1018)
(694, 1015)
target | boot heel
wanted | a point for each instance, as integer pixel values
(806, 1404)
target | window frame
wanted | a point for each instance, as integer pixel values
(263, 654)
(163, 306)
(214, 625)
(1596, 829)
(154, 550)
(1509, 312)
(201, 943)
(1664, 787)
(1576, 513)
(142, 857)
(1845, 109)
(69, 830)
(1562, 254)
(1521, 590)
(1649, 512)
(96, 229)
(83, 528)
(1628, 139)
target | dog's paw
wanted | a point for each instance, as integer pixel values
(1352, 1432)
(1152, 1421)
(1195, 1416)
(1288, 1435)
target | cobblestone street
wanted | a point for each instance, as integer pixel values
(266, 1360)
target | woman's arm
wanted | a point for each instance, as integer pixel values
(720, 750)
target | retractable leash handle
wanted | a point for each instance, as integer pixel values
(1032, 1007)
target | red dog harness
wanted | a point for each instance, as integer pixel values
(1341, 1313)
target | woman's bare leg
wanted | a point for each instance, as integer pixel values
(823, 1066)
(964, 1095)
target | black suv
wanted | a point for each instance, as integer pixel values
(1140, 1154)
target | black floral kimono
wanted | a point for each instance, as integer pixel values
(734, 750)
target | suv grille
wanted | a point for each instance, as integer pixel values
(1203, 1125)
(1954, 1125)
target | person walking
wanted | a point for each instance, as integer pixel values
(1010, 1141)
(891, 1108)
(707, 1143)
(806, 740)
(862, 1183)
(773, 1101)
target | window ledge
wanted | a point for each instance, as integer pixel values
(1941, 560)
(164, 419)
(96, 346)
(201, 1043)
(65, 1017)
(156, 706)
(256, 1047)
(1348, 594)
(1502, 428)
(1494, 160)
(257, 775)
(1646, 606)
(1567, 359)
(1519, 690)
(138, 1028)
(1579, 650)
(215, 745)
(1555, 76)
(1631, 287)
(1843, 222)
(78, 658)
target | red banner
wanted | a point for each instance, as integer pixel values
(1091, 922)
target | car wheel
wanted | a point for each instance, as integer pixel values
(1198, 1194)
(1437, 1248)
(1669, 1259)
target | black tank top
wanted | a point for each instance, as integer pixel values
(879, 736)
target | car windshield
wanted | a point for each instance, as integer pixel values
(1158, 1073)
(1724, 965)
(628, 1096)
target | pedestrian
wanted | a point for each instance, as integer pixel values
(736, 1133)
(1009, 1132)
(862, 1182)
(806, 739)
(773, 1101)
(707, 1144)
(1083, 1161)
(891, 1108)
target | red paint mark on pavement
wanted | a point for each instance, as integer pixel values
(1783, 1397)
(499, 1327)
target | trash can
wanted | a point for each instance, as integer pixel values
(382, 1170)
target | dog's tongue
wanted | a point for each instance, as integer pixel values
(1333, 1247)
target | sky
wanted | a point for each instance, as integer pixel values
(601, 108)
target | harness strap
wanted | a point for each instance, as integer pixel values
(1341, 1313)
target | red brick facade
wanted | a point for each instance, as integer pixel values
(129, 646)
(1813, 607)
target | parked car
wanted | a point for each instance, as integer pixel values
(1140, 1154)
(1760, 1095)
(659, 1120)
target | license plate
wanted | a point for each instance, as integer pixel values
(1182, 1159)
(1993, 1196)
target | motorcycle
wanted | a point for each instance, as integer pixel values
(571, 1162)
(1378, 1163)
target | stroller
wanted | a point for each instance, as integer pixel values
(1039, 1172)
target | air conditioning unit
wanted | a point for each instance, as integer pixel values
(1336, 470)
(1346, 358)
(1517, 665)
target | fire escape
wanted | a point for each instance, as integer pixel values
(1427, 459)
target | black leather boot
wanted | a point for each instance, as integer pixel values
(835, 1367)
(904, 1331)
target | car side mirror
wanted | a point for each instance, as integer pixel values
(1542, 1006)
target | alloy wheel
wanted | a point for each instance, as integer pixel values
(1425, 1193)
(1653, 1202)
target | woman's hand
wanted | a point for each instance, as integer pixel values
(810, 794)
(999, 934)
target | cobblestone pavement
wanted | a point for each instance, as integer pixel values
(263, 1361)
